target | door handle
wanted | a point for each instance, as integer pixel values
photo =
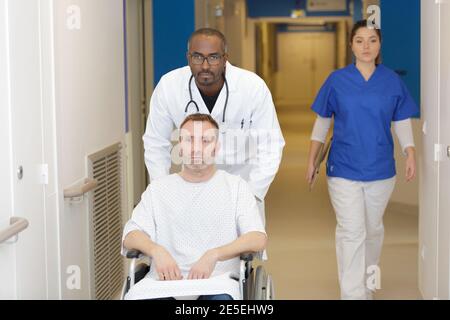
(16, 225)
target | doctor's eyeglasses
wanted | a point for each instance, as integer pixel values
(213, 59)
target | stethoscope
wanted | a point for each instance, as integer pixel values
(191, 101)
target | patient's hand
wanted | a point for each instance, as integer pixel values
(204, 267)
(165, 265)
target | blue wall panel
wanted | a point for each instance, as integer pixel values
(357, 9)
(400, 26)
(173, 23)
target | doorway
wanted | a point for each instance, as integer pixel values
(303, 61)
(140, 87)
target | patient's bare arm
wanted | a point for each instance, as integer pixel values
(165, 265)
(249, 242)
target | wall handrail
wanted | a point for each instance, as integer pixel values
(79, 190)
(16, 225)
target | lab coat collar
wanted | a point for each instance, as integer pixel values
(231, 76)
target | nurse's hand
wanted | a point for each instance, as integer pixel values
(165, 265)
(204, 267)
(410, 164)
(310, 172)
(313, 152)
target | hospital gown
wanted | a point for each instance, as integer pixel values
(188, 219)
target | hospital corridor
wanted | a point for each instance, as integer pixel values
(224, 150)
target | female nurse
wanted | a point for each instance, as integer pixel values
(364, 99)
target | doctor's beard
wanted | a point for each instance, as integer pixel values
(209, 78)
(206, 78)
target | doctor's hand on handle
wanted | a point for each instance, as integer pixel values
(410, 171)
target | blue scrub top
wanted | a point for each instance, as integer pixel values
(362, 147)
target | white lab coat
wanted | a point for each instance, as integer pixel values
(250, 106)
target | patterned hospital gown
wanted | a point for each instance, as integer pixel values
(188, 219)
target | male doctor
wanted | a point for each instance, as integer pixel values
(239, 100)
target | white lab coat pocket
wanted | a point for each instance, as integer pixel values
(233, 140)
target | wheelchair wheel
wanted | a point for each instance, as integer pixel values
(139, 273)
(270, 289)
(260, 291)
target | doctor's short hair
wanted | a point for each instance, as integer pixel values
(200, 117)
(209, 32)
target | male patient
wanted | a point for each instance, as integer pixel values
(194, 224)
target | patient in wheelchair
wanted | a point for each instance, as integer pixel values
(194, 224)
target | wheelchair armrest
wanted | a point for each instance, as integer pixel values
(247, 257)
(133, 254)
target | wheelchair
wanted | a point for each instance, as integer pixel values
(254, 284)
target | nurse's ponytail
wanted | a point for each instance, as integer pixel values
(363, 24)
